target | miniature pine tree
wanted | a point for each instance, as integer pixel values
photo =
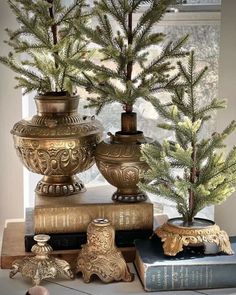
(48, 38)
(133, 75)
(191, 171)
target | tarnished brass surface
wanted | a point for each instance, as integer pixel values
(100, 256)
(41, 266)
(57, 143)
(175, 237)
(118, 160)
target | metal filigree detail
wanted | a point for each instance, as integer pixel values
(119, 197)
(41, 266)
(126, 151)
(55, 157)
(33, 128)
(100, 256)
(176, 237)
(57, 145)
(59, 186)
(121, 166)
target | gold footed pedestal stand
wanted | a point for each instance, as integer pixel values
(100, 256)
(202, 232)
(41, 266)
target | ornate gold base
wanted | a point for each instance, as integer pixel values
(56, 186)
(125, 198)
(41, 266)
(100, 256)
(203, 232)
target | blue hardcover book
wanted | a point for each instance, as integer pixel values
(186, 271)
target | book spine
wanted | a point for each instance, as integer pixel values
(76, 219)
(75, 240)
(59, 243)
(188, 277)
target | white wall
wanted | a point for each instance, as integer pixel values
(11, 171)
(226, 213)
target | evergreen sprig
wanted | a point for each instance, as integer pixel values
(48, 40)
(125, 72)
(190, 171)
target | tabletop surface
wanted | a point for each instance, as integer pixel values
(17, 286)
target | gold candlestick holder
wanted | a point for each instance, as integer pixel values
(41, 266)
(100, 256)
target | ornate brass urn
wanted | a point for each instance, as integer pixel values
(118, 159)
(57, 143)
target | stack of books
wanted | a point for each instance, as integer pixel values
(66, 219)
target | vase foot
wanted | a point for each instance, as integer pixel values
(59, 186)
(131, 198)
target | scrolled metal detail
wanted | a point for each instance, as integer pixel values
(100, 256)
(175, 238)
(59, 186)
(24, 128)
(125, 151)
(55, 157)
(41, 266)
(125, 176)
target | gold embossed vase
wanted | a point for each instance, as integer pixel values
(58, 143)
(100, 256)
(119, 160)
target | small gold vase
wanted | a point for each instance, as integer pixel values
(57, 143)
(100, 256)
(202, 232)
(118, 160)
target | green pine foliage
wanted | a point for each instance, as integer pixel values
(133, 74)
(191, 171)
(47, 40)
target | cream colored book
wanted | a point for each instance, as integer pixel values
(74, 213)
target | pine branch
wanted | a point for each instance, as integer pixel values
(51, 35)
(127, 49)
(215, 104)
(206, 176)
(169, 52)
(68, 11)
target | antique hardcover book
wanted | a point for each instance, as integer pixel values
(74, 213)
(68, 241)
(13, 248)
(185, 271)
